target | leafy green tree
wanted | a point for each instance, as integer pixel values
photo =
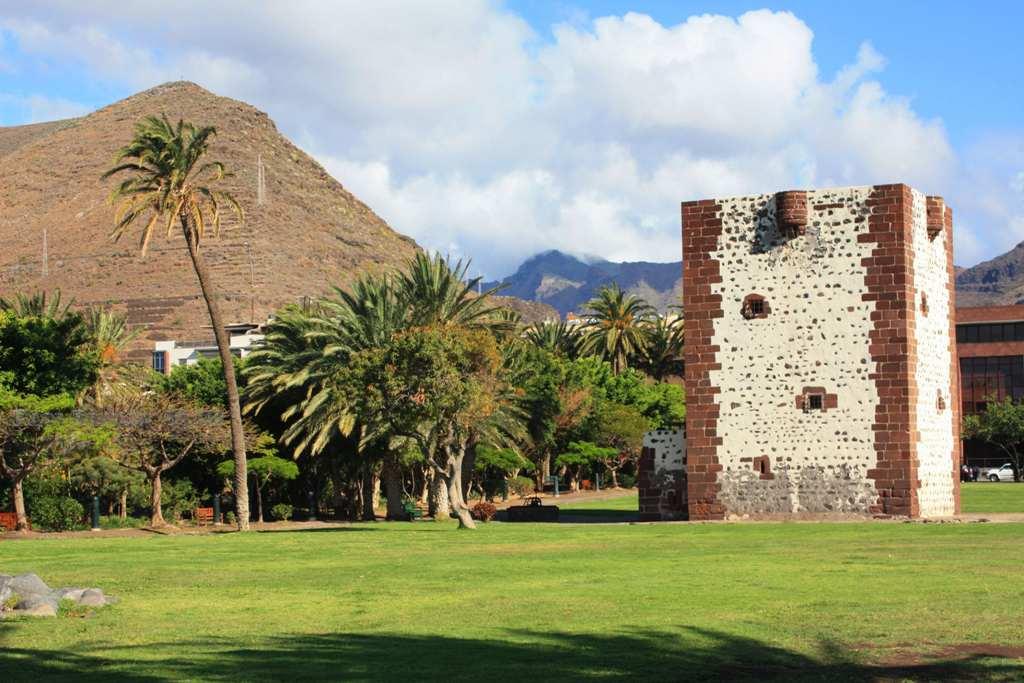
(45, 356)
(437, 291)
(168, 180)
(155, 432)
(496, 465)
(264, 469)
(580, 456)
(202, 381)
(100, 475)
(1002, 425)
(32, 431)
(617, 327)
(38, 305)
(622, 428)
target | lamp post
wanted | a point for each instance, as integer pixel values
(216, 509)
(95, 513)
(312, 505)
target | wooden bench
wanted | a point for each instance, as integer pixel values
(202, 515)
(9, 521)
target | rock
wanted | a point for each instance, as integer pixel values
(70, 593)
(27, 585)
(5, 589)
(92, 597)
(37, 606)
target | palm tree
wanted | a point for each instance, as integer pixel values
(39, 305)
(437, 292)
(663, 352)
(557, 337)
(168, 181)
(109, 334)
(617, 326)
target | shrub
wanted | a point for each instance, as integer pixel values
(57, 513)
(521, 486)
(114, 522)
(282, 511)
(230, 518)
(627, 481)
(483, 512)
(177, 498)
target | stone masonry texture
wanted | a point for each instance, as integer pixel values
(843, 398)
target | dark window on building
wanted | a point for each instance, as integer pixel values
(757, 307)
(815, 402)
(986, 333)
(986, 378)
(158, 361)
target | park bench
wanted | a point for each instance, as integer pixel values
(202, 515)
(533, 511)
(415, 509)
(9, 521)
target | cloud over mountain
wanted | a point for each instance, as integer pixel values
(468, 131)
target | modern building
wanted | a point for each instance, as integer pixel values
(169, 354)
(821, 367)
(990, 345)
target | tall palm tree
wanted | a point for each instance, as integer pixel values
(663, 352)
(169, 181)
(617, 326)
(558, 337)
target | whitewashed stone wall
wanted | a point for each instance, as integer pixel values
(816, 334)
(935, 353)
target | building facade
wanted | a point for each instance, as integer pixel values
(169, 354)
(990, 346)
(821, 372)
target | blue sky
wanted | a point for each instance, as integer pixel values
(498, 129)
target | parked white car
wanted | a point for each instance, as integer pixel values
(1004, 473)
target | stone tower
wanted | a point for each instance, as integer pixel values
(821, 372)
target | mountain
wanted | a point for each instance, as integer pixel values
(567, 282)
(308, 234)
(997, 281)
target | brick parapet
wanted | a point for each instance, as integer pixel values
(702, 228)
(889, 282)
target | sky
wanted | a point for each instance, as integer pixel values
(494, 130)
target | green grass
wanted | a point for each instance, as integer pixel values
(992, 497)
(622, 508)
(423, 601)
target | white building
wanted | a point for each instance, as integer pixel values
(170, 354)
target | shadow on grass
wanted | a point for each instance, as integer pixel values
(311, 530)
(597, 515)
(692, 654)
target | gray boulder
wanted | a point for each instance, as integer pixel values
(37, 606)
(26, 585)
(5, 588)
(70, 593)
(92, 597)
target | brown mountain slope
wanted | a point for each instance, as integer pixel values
(308, 234)
(994, 282)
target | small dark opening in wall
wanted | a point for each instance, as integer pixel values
(757, 307)
(815, 402)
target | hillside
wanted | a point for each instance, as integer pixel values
(566, 282)
(308, 234)
(997, 281)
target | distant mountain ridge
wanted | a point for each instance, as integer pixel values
(567, 282)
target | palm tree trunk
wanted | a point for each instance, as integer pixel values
(224, 349)
(393, 487)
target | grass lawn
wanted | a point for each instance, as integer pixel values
(423, 601)
(992, 497)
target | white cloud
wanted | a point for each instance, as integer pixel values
(460, 126)
(36, 108)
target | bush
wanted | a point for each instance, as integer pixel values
(177, 498)
(282, 511)
(483, 512)
(230, 518)
(57, 513)
(521, 486)
(114, 522)
(627, 481)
